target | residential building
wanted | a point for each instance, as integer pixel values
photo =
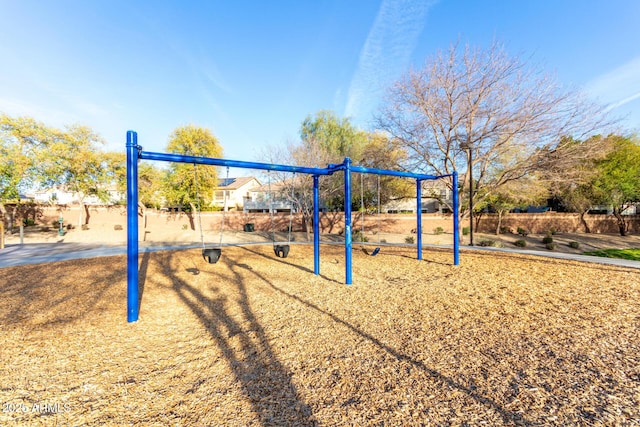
(61, 196)
(235, 191)
(435, 197)
(273, 197)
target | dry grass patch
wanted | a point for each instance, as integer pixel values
(256, 340)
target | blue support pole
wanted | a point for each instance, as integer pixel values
(347, 220)
(316, 226)
(133, 304)
(456, 225)
(419, 217)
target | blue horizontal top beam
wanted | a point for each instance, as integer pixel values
(179, 158)
(374, 171)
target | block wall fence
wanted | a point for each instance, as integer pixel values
(333, 222)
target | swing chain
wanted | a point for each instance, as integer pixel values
(293, 196)
(198, 207)
(224, 209)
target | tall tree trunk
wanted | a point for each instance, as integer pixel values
(142, 211)
(3, 214)
(307, 221)
(623, 226)
(499, 226)
(12, 217)
(191, 216)
(584, 222)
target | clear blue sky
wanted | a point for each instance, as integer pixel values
(251, 71)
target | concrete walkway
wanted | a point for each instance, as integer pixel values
(559, 255)
(38, 253)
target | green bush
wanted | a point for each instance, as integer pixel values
(359, 237)
(486, 243)
(409, 240)
(466, 231)
(522, 232)
(521, 243)
(574, 245)
(28, 222)
(547, 239)
(551, 246)
(438, 230)
(505, 230)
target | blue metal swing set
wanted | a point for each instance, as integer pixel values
(135, 153)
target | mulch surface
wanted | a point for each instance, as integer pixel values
(255, 340)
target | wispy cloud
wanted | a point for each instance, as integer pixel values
(619, 86)
(386, 52)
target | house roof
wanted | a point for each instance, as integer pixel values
(274, 186)
(235, 183)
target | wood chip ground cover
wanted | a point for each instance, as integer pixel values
(255, 340)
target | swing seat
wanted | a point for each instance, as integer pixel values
(374, 253)
(211, 255)
(281, 251)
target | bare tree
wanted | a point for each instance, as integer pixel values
(483, 108)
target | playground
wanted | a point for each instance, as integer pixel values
(501, 339)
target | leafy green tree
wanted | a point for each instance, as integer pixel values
(526, 191)
(618, 180)
(180, 184)
(75, 162)
(150, 185)
(380, 152)
(572, 169)
(325, 138)
(335, 136)
(331, 139)
(21, 141)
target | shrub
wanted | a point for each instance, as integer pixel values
(522, 232)
(409, 240)
(466, 231)
(551, 246)
(117, 227)
(438, 230)
(551, 232)
(505, 230)
(359, 237)
(574, 245)
(486, 243)
(547, 239)
(521, 243)
(28, 222)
